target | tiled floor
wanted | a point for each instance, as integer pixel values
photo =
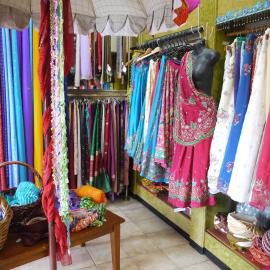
(147, 243)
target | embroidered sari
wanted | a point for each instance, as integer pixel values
(195, 120)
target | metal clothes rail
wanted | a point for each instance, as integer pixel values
(186, 34)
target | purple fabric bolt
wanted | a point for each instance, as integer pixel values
(27, 94)
(4, 107)
(85, 61)
(192, 4)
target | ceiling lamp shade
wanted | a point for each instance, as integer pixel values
(119, 16)
(159, 16)
(109, 17)
(14, 13)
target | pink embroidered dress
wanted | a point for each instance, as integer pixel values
(195, 119)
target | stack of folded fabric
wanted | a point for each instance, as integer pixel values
(87, 207)
(260, 249)
(242, 230)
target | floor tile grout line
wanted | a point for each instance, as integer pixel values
(89, 253)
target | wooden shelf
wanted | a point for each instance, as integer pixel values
(245, 255)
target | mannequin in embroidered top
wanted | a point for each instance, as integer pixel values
(204, 60)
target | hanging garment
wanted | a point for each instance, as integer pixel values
(98, 176)
(238, 45)
(79, 157)
(84, 146)
(149, 168)
(73, 180)
(3, 118)
(251, 135)
(18, 107)
(38, 133)
(99, 52)
(224, 121)
(195, 120)
(165, 145)
(77, 78)
(149, 89)
(139, 76)
(27, 95)
(260, 196)
(85, 63)
(239, 116)
(14, 177)
(31, 46)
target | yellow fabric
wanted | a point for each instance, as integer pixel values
(95, 194)
(38, 134)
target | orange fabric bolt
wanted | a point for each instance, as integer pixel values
(95, 194)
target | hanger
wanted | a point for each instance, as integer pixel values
(153, 52)
(128, 63)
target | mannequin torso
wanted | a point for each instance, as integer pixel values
(204, 60)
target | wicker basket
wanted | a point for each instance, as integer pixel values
(24, 211)
(5, 222)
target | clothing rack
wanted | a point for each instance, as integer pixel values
(185, 35)
(96, 94)
(256, 22)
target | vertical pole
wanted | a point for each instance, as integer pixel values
(52, 246)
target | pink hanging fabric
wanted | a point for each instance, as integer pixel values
(261, 189)
(192, 4)
(195, 119)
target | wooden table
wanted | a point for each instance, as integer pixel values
(15, 254)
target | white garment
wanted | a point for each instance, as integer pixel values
(251, 135)
(149, 89)
(224, 120)
(77, 78)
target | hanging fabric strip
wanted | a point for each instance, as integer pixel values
(38, 138)
(77, 62)
(3, 135)
(85, 64)
(18, 107)
(27, 95)
(14, 177)
(99, 51)
(48, 196)
(31, 47)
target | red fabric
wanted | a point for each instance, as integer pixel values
(46, 120)
(68, 37)
(44, 72)
(182, 13)
(99, 42)
(3, 184)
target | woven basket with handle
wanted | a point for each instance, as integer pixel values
(5, 222)
(22, 212)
